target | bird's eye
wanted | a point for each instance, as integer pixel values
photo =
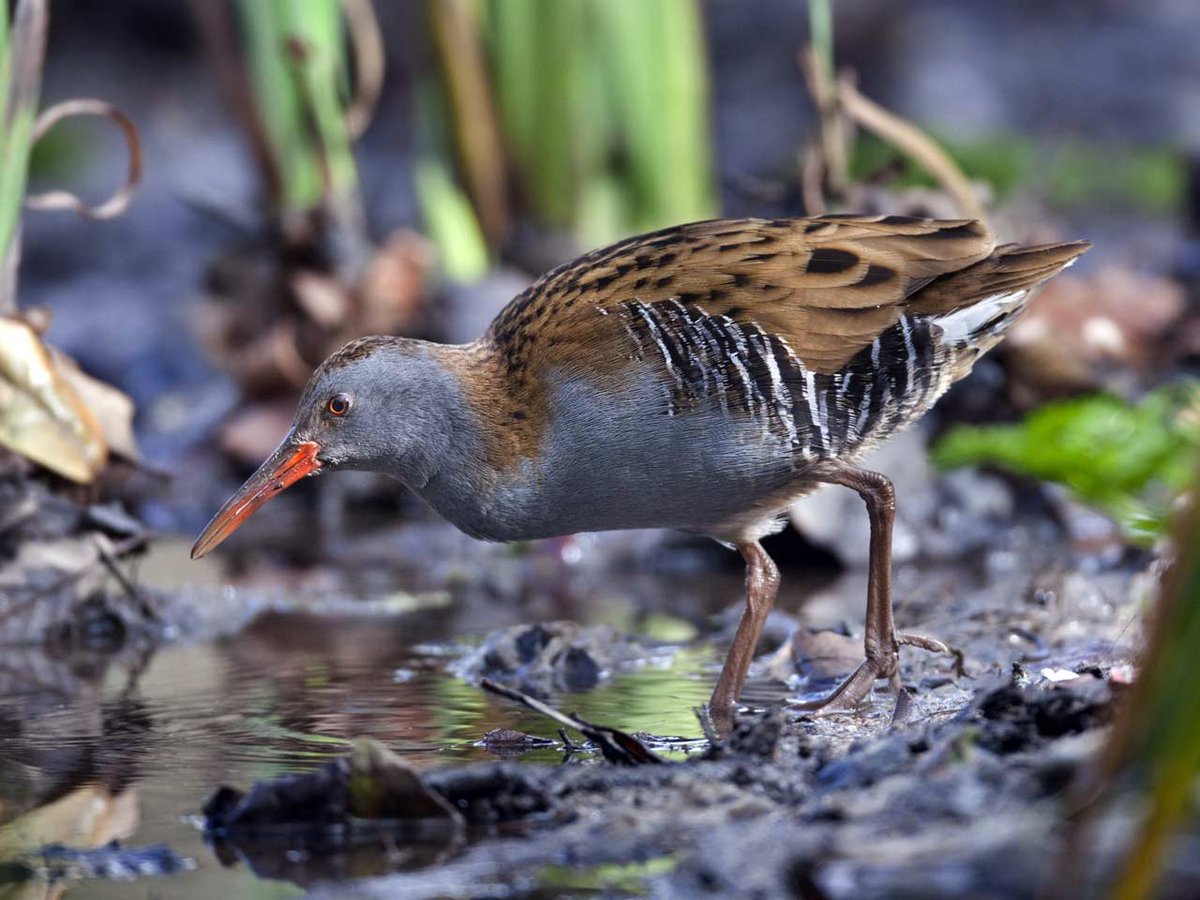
(339, 405)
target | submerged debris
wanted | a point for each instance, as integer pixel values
(112, 861)
(369, 801)
(919, 812)
(371, 784)
(506, 742)
(549, 656)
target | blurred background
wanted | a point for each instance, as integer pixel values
(313, 171)
(499, 139)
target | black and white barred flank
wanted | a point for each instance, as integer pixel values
(750, 372)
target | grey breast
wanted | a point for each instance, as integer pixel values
(617, 459)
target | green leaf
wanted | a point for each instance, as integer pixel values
(1079, 175)
(22, 50)
(1128, 460)
(604, 108)
(1154, 746)
(626, 878)
(1002, 161)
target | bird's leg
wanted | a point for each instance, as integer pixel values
(882, 642)
(762, 583)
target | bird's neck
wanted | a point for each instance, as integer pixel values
(487, 430)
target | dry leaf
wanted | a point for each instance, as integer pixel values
(251, 434)
(394, 284)
(1080, 332)
(111, 408)
(41, 415)
(383, 786)
(90, 816)
(322, 297)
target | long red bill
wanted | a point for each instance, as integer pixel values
(287, 465)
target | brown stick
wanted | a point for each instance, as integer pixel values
(367, 43)
(617, 746)
(834, 136)
(119, 201)
(220, 37)
(909, 139)
(811, 182)
(477, 138)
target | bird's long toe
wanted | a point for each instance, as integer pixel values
(934, 646)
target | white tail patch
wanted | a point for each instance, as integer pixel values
(967, 325)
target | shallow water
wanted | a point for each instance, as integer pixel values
(95, 748)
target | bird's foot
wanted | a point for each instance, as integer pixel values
(716, 720)
(851, 692)
(847, 695)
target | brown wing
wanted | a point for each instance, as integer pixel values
(827, 286)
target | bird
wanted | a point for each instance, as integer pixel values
(701, 378)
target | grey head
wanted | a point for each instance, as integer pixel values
(381, 404)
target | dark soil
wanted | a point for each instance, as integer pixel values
(963, 808)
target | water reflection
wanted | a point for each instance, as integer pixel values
(312, 865)
(73, 738)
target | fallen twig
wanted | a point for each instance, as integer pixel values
(617, 746)
(569, 746)
(109, 556)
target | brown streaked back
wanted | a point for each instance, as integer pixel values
(828, 285)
